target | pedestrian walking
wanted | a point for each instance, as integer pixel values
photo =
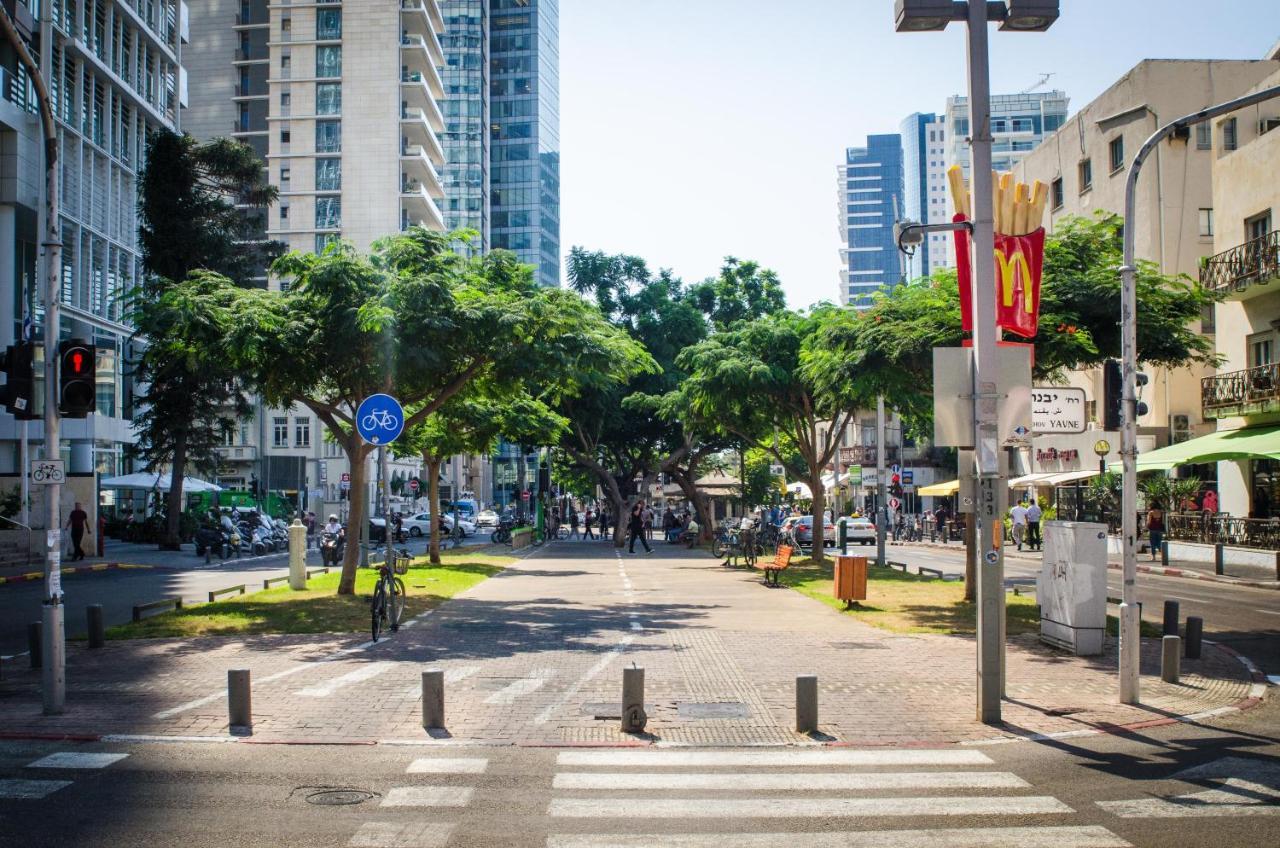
(648, 523)
(1033, 526)
(940, 516)
(635, 529)
(1155, 530)
(310, 523)
(78, 521)
(1018, 515)
(573, 524)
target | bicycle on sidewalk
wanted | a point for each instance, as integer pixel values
(387, 606)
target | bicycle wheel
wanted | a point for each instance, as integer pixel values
(717, 547)
(396, 607)
(378, 609)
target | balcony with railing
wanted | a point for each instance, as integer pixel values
(417, 207)
(866, 455)
(1237, 393)
(416, 130)
(237, 453)
(417, 18)
(416, 165)
(414, 88)
(1236, 273)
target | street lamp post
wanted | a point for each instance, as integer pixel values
(1129, 626)
(1018, 15)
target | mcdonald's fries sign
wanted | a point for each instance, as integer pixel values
(1019, 265)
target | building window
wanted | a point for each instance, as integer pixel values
(1204, 136)
(286, 28)
(328, 98)
(1056, 190)
(328, 136)
(285, 135)
(328, 24)
(1086, 175)
(328, 61)
(1117, 153)
(1206, 222)
(328, 213)
(1229, 138)
(1261, 350)
(286, 100)
(323, 240)
(302, 432)
(1258, 226)
(284, 176)
(286, 62)
(328, 174)
(284, 211)
(280, 432)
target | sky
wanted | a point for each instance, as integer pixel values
(692, 130)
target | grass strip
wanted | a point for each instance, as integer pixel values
(318, 608)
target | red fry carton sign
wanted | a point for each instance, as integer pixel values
(1019, 265)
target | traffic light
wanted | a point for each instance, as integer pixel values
(18, 363)
(77, 372)
(1113, 395)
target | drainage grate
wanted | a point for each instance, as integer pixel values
(724, 709)
(339, 797)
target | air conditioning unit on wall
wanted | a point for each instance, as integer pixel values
(1179, 428)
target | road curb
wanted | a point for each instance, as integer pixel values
(77, 569)
(1188, 574)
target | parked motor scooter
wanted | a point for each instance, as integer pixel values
(332, 546)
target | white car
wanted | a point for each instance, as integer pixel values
(420, 524)
(487, 518)
(860, 530)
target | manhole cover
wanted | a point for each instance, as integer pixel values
(1064, 711)
(726, 709)
(339, 797)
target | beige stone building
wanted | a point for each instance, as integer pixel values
(1085, 163)
(1245, 220)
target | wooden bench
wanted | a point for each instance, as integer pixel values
(780, 562)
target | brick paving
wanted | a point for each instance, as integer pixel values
(534, 656)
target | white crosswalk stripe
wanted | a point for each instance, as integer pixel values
(77, 760)
(448, 765)
(412, 835)
(1236, 798)
(361, 674)
(30, 790)
(428, 796)
(707, 787)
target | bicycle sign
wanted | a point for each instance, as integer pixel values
(46, 472)
(380, 419)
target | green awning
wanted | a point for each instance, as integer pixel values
(1247, 443)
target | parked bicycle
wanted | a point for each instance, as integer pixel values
(387, 606)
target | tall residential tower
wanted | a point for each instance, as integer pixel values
(869, 196)
(924, 167)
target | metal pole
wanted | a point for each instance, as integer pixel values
(1130, 647)
(882, 488)
(991, 485)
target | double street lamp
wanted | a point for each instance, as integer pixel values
(1018, 16)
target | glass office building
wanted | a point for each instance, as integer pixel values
(871, 197)
(524, 132)
(466, 114)
(924, 165)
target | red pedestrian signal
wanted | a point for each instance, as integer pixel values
(77, 368)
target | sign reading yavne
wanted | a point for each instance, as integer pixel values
(1055, 409)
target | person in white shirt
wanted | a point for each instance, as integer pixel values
(1033, 527)
(333, 526)
(1019, 516)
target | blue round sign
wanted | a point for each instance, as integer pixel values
(380, 419)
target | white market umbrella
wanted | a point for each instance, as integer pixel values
(161, 482)
(800, 490)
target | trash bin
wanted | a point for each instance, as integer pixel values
(850, 579)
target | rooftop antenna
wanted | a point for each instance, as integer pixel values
(1041, 83)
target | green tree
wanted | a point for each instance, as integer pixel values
(190, 222)
(415, 319)
(761, 382)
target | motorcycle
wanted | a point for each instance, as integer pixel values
(331, 548)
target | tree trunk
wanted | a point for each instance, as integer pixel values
(357, 452)
(433, 495)
(701, 504)
(173, 519)
(819, 553)
(970, 558)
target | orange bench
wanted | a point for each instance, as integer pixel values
(781, 561)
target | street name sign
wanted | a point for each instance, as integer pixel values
(1057, 409)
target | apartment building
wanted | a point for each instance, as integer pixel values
(869, 198)
(1084, 163)
(924, 184)
(114, 71)
(1243, 397)
(341, 99)
(1019, 122)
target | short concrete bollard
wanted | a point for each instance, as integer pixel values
(806, 703)
(97, 627)
(33, 642)
(1170, 618)
(1171, 659)
(1164, 553)
(634, 718)
(239, 700)
(1195, 632)
(297, 555)
(433, 699)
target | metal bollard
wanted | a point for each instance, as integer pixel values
(1164, 553)
(842, 537)
(1219, 559)
(806, 703)
(1170, 618)
(433, 699)
(33, 642)
(634, 717)
(239, 700)
(1170, 659)
(1195, 632)
(97, 628)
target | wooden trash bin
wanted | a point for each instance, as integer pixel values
(851, 579)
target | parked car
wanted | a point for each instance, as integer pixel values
(804, 532)
(419, 524)
(861, 530)
(487, 518)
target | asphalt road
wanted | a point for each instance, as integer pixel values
(1185, 785)
(1246, 619)
(185, 575)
